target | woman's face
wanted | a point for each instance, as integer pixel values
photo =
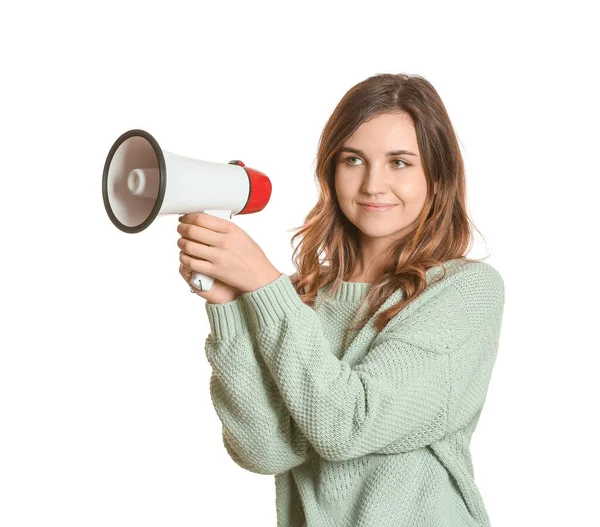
(367, 172)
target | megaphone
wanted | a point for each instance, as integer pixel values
(142, 181)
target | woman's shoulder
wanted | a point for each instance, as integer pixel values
(449, 307)
(472, 284)
(464, 277)
(461, 269)
(474, 278)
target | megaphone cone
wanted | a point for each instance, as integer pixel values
(135, 189)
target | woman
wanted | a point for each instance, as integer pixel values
(367, 424)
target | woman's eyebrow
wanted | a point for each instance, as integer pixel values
(392, 153)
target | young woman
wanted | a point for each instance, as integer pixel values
(363, 424)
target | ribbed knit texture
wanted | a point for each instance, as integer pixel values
(360, 429)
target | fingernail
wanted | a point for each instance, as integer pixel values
(180, 218)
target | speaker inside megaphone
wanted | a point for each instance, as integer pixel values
(134, 181)
(141, 181)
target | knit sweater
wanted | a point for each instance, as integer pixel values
(367, 428)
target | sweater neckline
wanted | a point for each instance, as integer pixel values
(352, 291)
(356, 291)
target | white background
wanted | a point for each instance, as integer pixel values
(105, 413)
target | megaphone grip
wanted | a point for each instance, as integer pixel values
(199, 280)
(202, 281)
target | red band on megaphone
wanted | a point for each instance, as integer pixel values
(260, 191)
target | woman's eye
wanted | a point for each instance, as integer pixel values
(404, 163)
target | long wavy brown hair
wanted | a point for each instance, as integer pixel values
(329, 241)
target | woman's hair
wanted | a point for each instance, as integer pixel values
(440, 233)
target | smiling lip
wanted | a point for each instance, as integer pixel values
(376, 206)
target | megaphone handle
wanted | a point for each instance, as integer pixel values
(199, 280)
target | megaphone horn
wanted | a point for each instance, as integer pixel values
(135, 190)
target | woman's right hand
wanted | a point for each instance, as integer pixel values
(219, 293)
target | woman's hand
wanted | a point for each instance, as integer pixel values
(219, 248)
(219, 293)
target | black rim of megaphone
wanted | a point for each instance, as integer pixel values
(161, 188)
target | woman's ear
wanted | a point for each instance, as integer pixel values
(435, 185)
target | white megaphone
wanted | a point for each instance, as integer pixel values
(141, 181)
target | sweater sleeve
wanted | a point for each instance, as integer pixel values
(258, 431)
(400, 396)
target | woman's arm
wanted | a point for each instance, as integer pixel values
(422, 379)
(259, 433)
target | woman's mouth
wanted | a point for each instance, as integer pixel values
(379, 208)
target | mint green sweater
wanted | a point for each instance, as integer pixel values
(360, 429)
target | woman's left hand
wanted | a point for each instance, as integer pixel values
(219, 248)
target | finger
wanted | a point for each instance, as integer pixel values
(185, 272)
(200, 266)
(199, 234)
(207, 220)
(196, 250)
